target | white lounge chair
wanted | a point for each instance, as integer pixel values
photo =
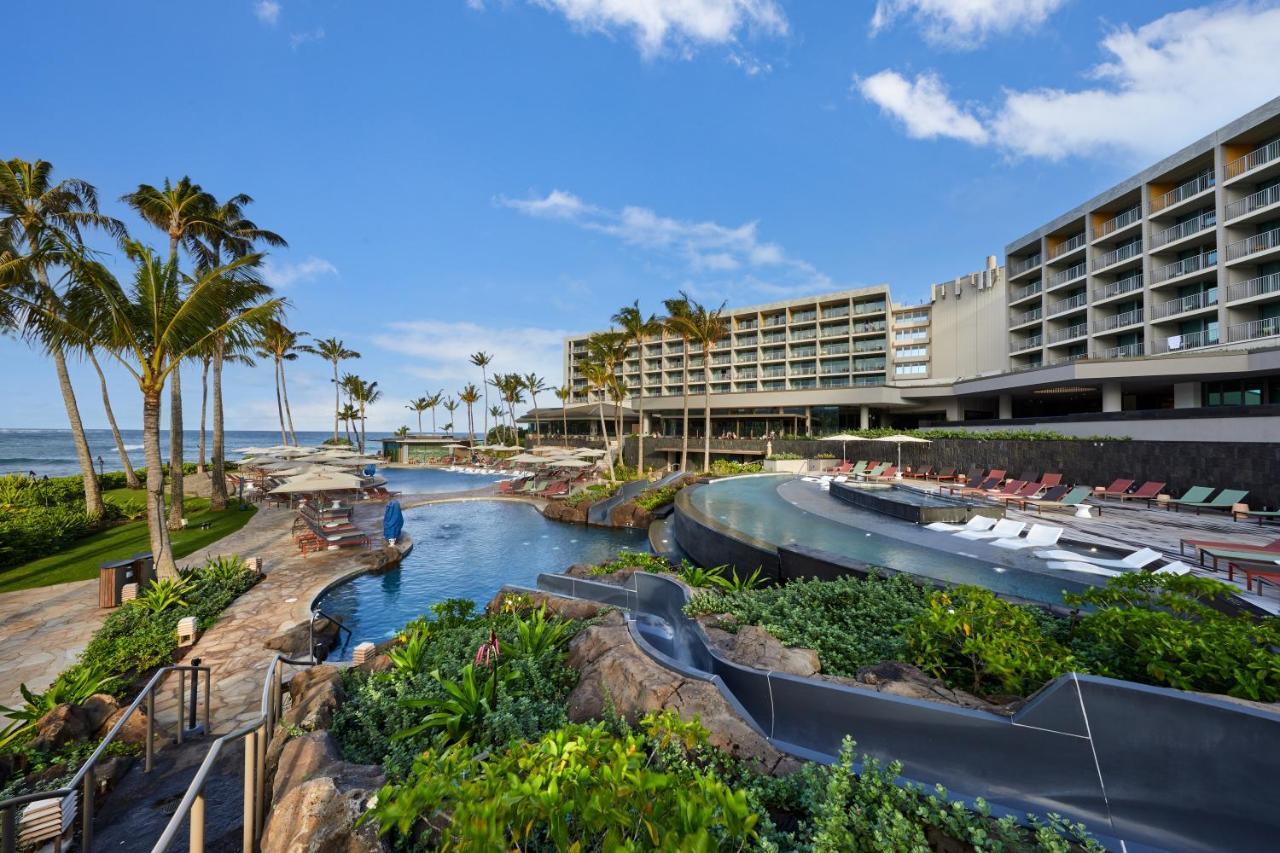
(1177, 567)
(842, 479)
(1039, 536)
(1087, 568)
(1005, 528)
(1139, 559)
(978, 522)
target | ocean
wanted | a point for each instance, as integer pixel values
(51, 451)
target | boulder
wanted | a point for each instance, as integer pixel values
(314, 711)
(134, 731)
(903, 679)
(305, 679)
(617, 676)
(293, 641)
(378, 663)
(316, 816)
(629, 515)
(755, 647)
(303, 758)
(565, 608)
(98, 708)
(560, 511)
(60, 726)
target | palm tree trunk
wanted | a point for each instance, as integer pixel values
(218, 481)
(288, 413)
(564, 415)
(537, 427)
(684, 440)
(336, 405)
(92, 488)
(640, 411)
(161, 551)
(706, 410)
(604, 428)
(284, 439)
(419, 421)
(204, 407)
(176, 506)
(130, 476)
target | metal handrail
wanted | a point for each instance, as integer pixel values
(257, 735)
(1182, 192)
(84, 777)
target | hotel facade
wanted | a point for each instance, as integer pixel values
(1147, 310)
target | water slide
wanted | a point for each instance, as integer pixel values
(600, 511)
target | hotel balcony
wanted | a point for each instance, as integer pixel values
(1129, 251)
(868, 365)
(1026, 317)
(746, 341)
(1066, 306)
(1118, 321)
(1023, 293)
(804, 352)
(867, 381)
(877, 345)
(1066, 247)
(775, 320)
(835, 313)
(1117, 288)
(1186, 268)
(1070, 333)
(1177, 233)
(773, 385)
(1259, 204)
(744, 358)
(774, 371)
(1255, 329)
(1024, 265)
(1183, 193)
(1256, 248)
(1263, 285)
(1068, 359)
(868, 328)
(803, 316)
(747, 325)
(835, 349)
(773, 338)
(834, 331)
(1189, 341)
(869, 307)
(1033, 342)
(1126, 351)
(834, 382)
(1254, 160)
(773, 355)
(804, 371)
(1185, 305)
(1064, 277)
(1121, 222)
(803, 334)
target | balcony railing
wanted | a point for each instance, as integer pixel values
(1115, 288)
(745, 358)
(773, 355)
(868, 308)
(777, 320)
(1076, 331)
(1069, 274)
(1019, 267)
(1186, 266)
(869, 346)
(828, 370)
(864, 328)
(1120, 220)
(1194, 302)
(868, 365)
(749, 341)
(1116, 321)
(1256, 201)
(773, 338)
(1069, 245)
(1254, 329)
(834, 331)
(835, 313)
(1195, 225)
(804, 352)
(1026, 343)
(1121, 253)
(774, 371)
(804, 371)
(1182, 192)
(835, 349)
(1068, 359)
(803, 334)
(804, 316)
(1191, 340)
(1254, 159)
(1257, 243)
(721, 359)
(1030, 290)
(1125, 351)
(867, 380)
(747, 325)
(1259, 286)
(1028, 316)
(1080, 300)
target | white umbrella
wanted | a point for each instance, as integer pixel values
(569, 462)
(319, 482)
(259, 461)
(529, 459)
(842, 438)
(588, 451)
(251, 451)
(901, 440)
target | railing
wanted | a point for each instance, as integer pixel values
(1028, 316)
(1266, 328)
(1256, 243)
(1254, 287)
(84, 781)
(1019, 267)
(804, 317)
(1080, 300)
(1195, 225)
(1120, 220)
(1125, 351)
(835, 313)
(257, 737)
(776, 320)
(868, 308)
(1116, 321)
(1254, 159)
(1256, 201)
(1194, 302)
(746, 374)
(1121, 253)
(835, 349)
(744, 359)
(865, 328)
(1182, 192)
(868, 380)
(1191, 340)
(747, 341)
(1186, 266)
(804, 371)
(838, 368)
(1115, 288)
(910, 319)
(803, 334)
(1076, 331)
(773, 338)
(746, 325)
(804, 352)
(869, 346)
(1069, 245)
(773, 355)
(834, 382)
(1030, 290)
(774, 371)
(1026, 343)
(1068, 359)
(1069, 274)
(868, 366)
(834, 331)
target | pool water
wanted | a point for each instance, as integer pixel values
(429, 481)
(466, 549)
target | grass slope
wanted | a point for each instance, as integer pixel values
(81, 560)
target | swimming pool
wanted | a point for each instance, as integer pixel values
(751, 508)
(466, 549)
(429, 481)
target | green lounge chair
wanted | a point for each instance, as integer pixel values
(859, 468)
(876, 471)
(1070, 500)
(1226, 499)
(1195, 494)
(1218, 552)
(1260, 514)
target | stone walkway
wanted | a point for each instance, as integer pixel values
(42, 630)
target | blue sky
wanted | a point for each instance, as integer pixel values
(458, 174)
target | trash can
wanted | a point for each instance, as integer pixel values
(139, 569)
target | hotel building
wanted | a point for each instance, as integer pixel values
(1151, 307)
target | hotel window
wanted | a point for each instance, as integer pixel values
(1245, 392)
(911, 352)
(910, 369)
(913, 317)
(910, 334)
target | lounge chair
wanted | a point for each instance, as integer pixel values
(1225, 500)
(890, 472)
(1025, 491)
(1029, 476)
(876, 471)
(973, 477)
(1233, 551)
(1071, 500)
(988, 485)
(1010, 488)
(1260, 514)
(947, 473)
(970, 482)
(978, 522)
(1177, 567)
(1005, 528)
(921, 473)
(1118, 488)
(1039, 536)
(1195, 494)
(1139, 559)
(1050, 479)
(858, 468)
(1258, 569)
(1148, 492)
(1087, 568)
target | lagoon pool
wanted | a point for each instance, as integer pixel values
(465, 549)
(430, 481)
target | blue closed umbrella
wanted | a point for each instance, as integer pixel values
(392, 521)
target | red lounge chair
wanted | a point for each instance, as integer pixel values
(1260, 571)
(921, 473)
(1048, 481)
(1011, 487)
(887, 474)
(1117, 489)
(1146, 492)
(1027, 490)
(947, 473)
(988, 485)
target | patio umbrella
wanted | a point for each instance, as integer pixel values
(392, 521)
(319, 482)
(901, 440)
(259, 461)
(251, 451)
(588, 451)
(842, 438)
(529, 459)
(569, 462)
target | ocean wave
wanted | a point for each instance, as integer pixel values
(41, 460)
(133, 447)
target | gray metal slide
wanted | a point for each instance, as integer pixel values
(599, 513)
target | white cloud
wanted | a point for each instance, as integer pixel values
(964, 23)
(286, 275)
(922, 105)
(1162, 86)
(702, 248)
(267, 11)
(297, 40)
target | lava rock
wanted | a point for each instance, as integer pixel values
(565, 608)
(755, 647)
(60, 726)
(317, 816)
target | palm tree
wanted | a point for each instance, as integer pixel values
(365, 394)
(155, 323)
(637, 328)
(563, 394)
(280, 344)
(511, 387)
(495, 412)
(533, 383)
(43, 222)
(433, 401)
(677, 322)
(131, 479)
(419, 405)
(450, 406)
(335, 352)
(348, 415)
(706, 328)
(598, 376)
(470, 395)
(482, 360)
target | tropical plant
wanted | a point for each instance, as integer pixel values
(418, 405)
(535, 385)
(163, 594)
(638, 328)
(335, 352)
(625, 559)
(348, 414)
(706, 327)
(697, 576)
(227, 570)
(511, 388)
(450, 406)
(464, 707)
(677, 322)
(538, 635)
(469, 396)
(411, 649)
(658, 497)
(482, 360)
(433, 401)
(280, 344)
(74, 687)
(362, 394)
(739, 583)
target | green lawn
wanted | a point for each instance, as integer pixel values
(81, 560)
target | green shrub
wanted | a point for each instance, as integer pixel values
(592, 493)
(728, 468)
(784, 456)
(849, 622)
(973, 640)
(654, 498)
(641, 561)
